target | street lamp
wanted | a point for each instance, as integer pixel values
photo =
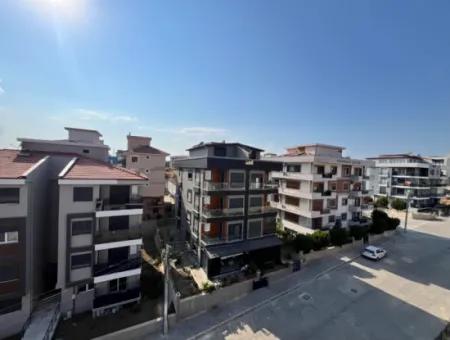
(408, 198)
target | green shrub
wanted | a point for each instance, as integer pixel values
(393, 223)
(338, 236)
(358, 232)
(380, 222)
(381, 202)
(208, 287)
(398, 204)
(320, 239)
(303, 242)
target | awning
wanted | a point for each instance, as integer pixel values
(245, 246)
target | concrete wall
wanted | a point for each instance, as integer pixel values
(14, 209)
(100, 153)
(12, 323)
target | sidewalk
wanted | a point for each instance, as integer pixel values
(198, 325)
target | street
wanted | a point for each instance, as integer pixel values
(404, 296)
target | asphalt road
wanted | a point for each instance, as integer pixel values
(404, 296)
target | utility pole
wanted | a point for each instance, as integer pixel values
(408, 196)
(166, 289)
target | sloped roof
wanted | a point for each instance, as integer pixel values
(149, 149)
(14, 164)
(202, 145)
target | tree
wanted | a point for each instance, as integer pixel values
(381, 202)
(398, 204)
(303, 242)
(380, 222)
(358, 232)
(393, 223)
(338, 236)
(320, 239)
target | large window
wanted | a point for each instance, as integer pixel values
(237, 179)
(80, 260)
(234, 231)
(220, 151)
(80, 227)
(254, 228)
(9, 237)
(8, 272)
(9, 195)
(82, 194)
(118, 285)
(294, 168)
(236, 202)
(255, 201)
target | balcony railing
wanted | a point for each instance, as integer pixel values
(115, 298)
(328, 175)
(354, 208)
(209, 240)
(210, 213)
(106, 204)
(263, 186)
(133, 262)
(221, 186)
(261, 210)
(105, 236)
(326, 193)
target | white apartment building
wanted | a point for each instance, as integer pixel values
(320, 188)
(422, 179)
(141, 157)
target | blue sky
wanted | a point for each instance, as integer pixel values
(373, 76)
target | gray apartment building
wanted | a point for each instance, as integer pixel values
(223, 206)
(422, 179)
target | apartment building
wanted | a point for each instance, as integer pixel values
(140, 156)
(320, 188)
(402, 175)
(22, 230)
(99, 236)
(223, 206)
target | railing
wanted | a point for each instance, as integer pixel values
(218, 186)
(353, 208)
(124, 265)
(114, 298)
(261, 210)
(222, 212)
(105, 204)
(209, 240)
(263, 186)
(105, 236)
(325, 211)
(326, 193)
(327, 175)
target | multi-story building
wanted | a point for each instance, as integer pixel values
(223, 206)
(421, 179)
(320, 188)
(140, 156)
(22, 232)
(99, 236)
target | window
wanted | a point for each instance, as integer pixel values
(189, 175)
(333, 186)
(189, 196)
(331, 203)
(294, 168)
(86, 151)
(346, 186)
(9, 195)
(82, 194)
(320, 169)
(80, 227)
(81, 260)
(188, 217)
(234, 231)
(334, 170)
(255, 201)
(8, 272)
(344, 202)
(254, 228)
(85, 287)
(237, 179)
(118, 285)
(331, 219)
(134, 159)
(292, 184)
(344, 216)
(235, 202)
(9, 237)
(220, 151)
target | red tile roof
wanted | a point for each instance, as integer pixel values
(13, 164)
(85, 168)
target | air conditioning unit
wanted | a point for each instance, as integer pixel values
(207, 227)
(207, 175)
(207, 200)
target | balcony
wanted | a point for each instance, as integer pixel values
(326, 193)
(106, 236)
(210, 240)
(223, 186)
(328, 175)
(117, 298)
(354, 208)
(133, 262)
(213, 213)
(261, 210)
(134, 202)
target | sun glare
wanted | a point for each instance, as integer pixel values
(63, 9)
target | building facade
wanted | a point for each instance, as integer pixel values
(318, 188)
(140, 156)
(421, 179)
(223, 207)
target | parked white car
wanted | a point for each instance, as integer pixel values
(374, 253)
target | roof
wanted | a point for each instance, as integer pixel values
(202, 145)
(14, 164)
(79, 129)
(86, 168)
(242, 247)
(62, 142)
(397, 155)
(149, 149)
(318, 144)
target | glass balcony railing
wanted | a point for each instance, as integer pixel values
(134, 202)
(263, 186)
(105, 236)
(221, 186)
(115, 298)
(116, 267)
(210, 213)
(261, 210)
